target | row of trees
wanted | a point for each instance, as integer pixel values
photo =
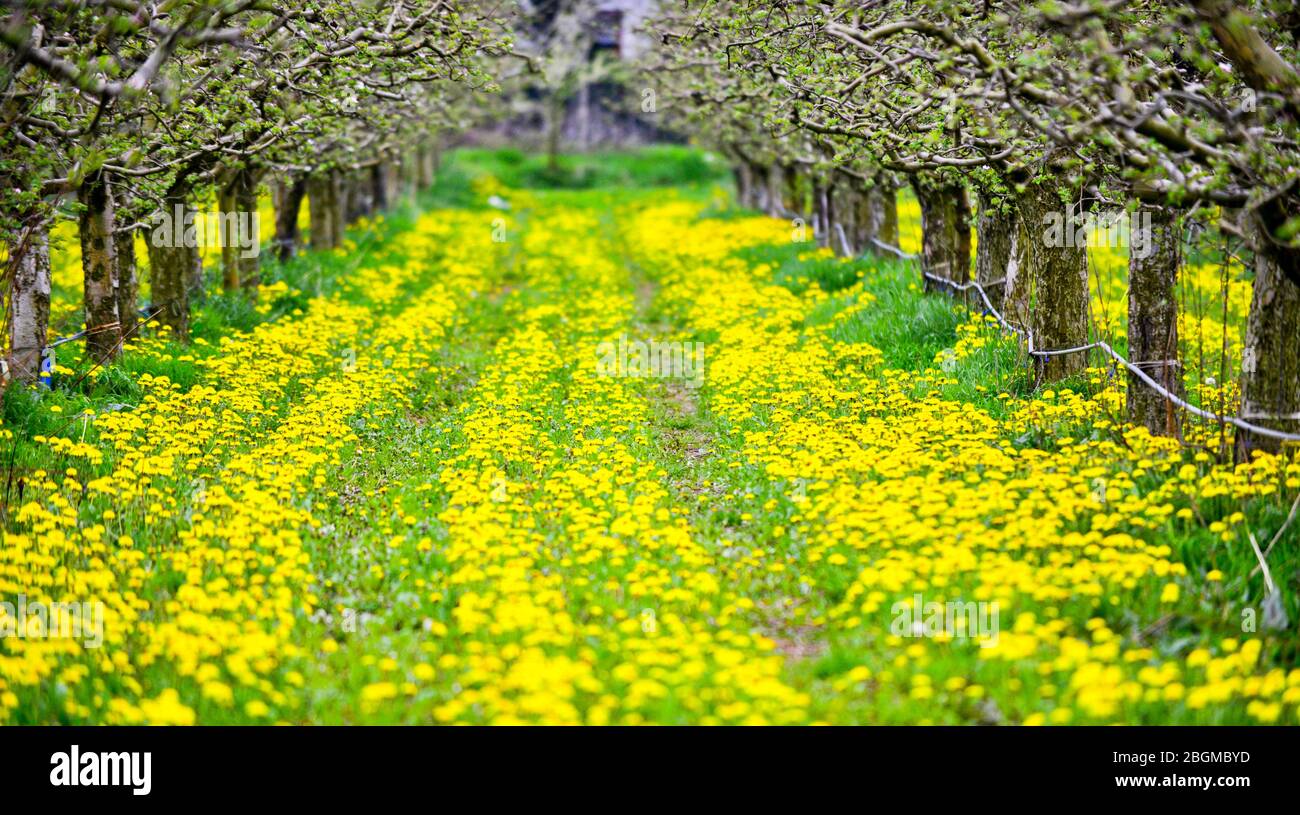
(1001, 115)
(132, 112)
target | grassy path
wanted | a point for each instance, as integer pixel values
(420, 499)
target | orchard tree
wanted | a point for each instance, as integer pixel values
(141, 110)
(1045, 110)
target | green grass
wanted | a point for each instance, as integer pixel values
(659, 166)
(382, 478)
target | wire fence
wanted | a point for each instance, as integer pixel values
(1131, 367)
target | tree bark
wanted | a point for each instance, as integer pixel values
(359, 196)
(945, 231)
(322, 191)
(1270, 378)
(796, 192)
(338, 219)
(1057, 274)
(819, 210)
(744, 177)
(228, 232)
(851, 211)
(406, 177)
(775, 183)
(1154, 258)
(888, 231)
(554, 122)
(874, 207)
(128, 284)
(425, 167)
(124, 259)
(99, 268)
(996, 227)
(392, 175)
(379, 188)
(29, 304)
(847, 207)
(288, 237)
(172, 262)
(250, 263)
(238, 231)
(831, 218)
(758, 178)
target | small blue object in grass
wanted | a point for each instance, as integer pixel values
(47, 367)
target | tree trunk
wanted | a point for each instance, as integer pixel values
(238, 231)
(128, 284)
(945, 231)
(99, 267)
(1017, 288)
(29, 304)
(323, 209)
(1057, 272)
(127, 273)
(841, 218)
(287, 235)
(554, 121)
(428, 167)
(1155, 254)
(996, 228)
(380, 187)
(888, 231)
(249, 243)
(819, 211)
(831, 216)
(228, 233)
(173, 256)
(197, 288)
(1270, 378)
(797, 202)
(338, 219)
(744, 183)
(359, 196)
(775, 184)
(407, 175)
(758, 177)
(848, 208)
(852, 209)
(875, 206)
(391, 178)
